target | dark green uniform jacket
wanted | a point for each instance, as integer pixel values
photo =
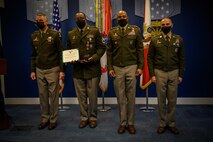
(166, 56)
(89, 44)
(46, 50)
(125, 48)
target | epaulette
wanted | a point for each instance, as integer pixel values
(54, 30)
(89, 26)
(35, 33)
(135, 26)
(114, 28)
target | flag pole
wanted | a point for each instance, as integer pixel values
(57, 26)
(103, 107)
(147, 108)
(61, 104)
(101, 19)
(147, 39)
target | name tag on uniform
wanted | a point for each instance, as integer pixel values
(70, 55)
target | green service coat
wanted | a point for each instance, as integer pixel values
(89, 44)
(166, 56)
(125, 48)
(46, 50)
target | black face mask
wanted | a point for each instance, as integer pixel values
(122, 22)
(81, 23)
(166, 30)
(40, 25)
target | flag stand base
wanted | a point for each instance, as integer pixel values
(103, 108)
(62, 107)
(147, 108)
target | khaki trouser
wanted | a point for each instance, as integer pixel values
(48, 85)
(125, 89)
(166, 87)
(87, 88)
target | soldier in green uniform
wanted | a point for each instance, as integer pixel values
(166, 62)
(47, 68)
(125, 62)
(87, 70)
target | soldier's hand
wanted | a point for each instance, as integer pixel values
(112, 73)
(33, 76)
(180, 79)
(61, 75)
(83, 61)
(73, 61)
(139, 72)
(90, 59)
(154, 79)
(86, 60)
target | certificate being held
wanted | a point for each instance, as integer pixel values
(70, 55)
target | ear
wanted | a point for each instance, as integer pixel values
(46, 22)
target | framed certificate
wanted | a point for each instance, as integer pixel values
(70, 55)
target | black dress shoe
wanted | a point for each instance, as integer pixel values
(174, 130)
(83, 123)
(121, 129)
(161, 130)
(52, 126)
(42, 125)
(92, 123)
(131, 129)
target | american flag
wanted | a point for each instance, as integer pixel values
(56, 18)
(57, 26)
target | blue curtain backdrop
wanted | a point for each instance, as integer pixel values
(193, 24)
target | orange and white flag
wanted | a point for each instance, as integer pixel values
(103, 84)
(145, 78)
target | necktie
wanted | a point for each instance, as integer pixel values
(81, 32)
(122, 29)
(167, 38)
